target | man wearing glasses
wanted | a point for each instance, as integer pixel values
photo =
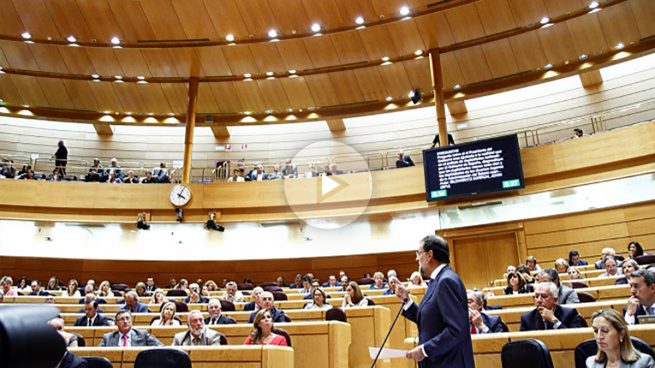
(548, 315)
(443, 315)
(126, 335)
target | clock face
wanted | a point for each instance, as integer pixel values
(180, 195)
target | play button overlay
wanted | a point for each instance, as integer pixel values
(333, 187)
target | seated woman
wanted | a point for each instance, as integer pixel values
(561, 265)
(628, 266)
(635, 250)
(212, 286)
(531, 264)
(353, 296)
(515, 284)
(157, 297)
(263, 333)
(105, 289)
(574, 259)
(318, 301)
(416, 280)
(574, 274)
(166, 316)
(72, 289)
(53, 284)
(379, 281)
(140, 289)
(615, 348)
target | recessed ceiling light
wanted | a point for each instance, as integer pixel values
(247, 75)
(270, 74)
(247, 112)
(171, 114)
(140, 77)
(359, 20)
(404, 10)
(619, 46)
(292, 71)
(269, 111)
(385, 58)
(316, 27)
(272, 33)
(389, 99)
(115, 40)
(593, 5)
(544, 20)
(26, 35)
(457, 87)
(95, 76)
(418, 52)
(583, 57)
(118, 77)
(229, 37)
(548, 66)
(71, 39)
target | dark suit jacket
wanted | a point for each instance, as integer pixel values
(99, 321)
(278, 315)
(249, 306)
(139, 308)
(494, 323)
(72, 361)
(40, 293)
(137, 337)
(222, 320)
(443, 323)
(569, 317)
(581, 263)
(99, 300)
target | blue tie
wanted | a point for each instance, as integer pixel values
(650, 311)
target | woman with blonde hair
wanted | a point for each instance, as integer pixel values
(574, 274)
(166, 316)
(353, 297)
(105, 289)
(615, 347)
(416, 280)
(157, 297)
(263, 334)
(561, 265)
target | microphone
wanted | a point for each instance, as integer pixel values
(400, 310)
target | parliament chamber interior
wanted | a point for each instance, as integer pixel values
(298, 152)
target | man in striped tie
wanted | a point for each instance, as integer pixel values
(126, 335)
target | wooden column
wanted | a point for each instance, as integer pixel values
(190, 126)
(440, 102)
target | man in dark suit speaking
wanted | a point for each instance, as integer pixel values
(443, 315)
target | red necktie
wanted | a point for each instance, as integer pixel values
(125, 340)
(473, 329)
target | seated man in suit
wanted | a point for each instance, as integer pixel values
(150, 285)
(548, 315)
(126, 335)
(198, 334)
(266, 302)
(254, 304)
(194, 296)
(642, 302)
(403, 160)
(133, 304)
(36, 289)
(606, 252)
(215, 315)
(331, 282)
(91, 296)
(565, 295)
(480, 322)
(91, 317)
(232, 293)
(69, 338)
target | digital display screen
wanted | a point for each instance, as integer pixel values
(468, 169)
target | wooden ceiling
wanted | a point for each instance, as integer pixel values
(169, 41)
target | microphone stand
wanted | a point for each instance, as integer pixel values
(400, 310)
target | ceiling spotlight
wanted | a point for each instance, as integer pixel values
(292, 71)
(141, 223)
(404, 10)
(316, 27)
(272, 33)
(247, 113)
(385, 59)
(457, 87)
(583, 57)
(118, 77)
(115, 40)
(544, 20)
(389, 99)
(26, 35)
(229, 37)
(269, 74)
(548, 66)
(359, 20)
(247, 75)
(71, 39)
(95, 76)
(140, 77)
(418, 52)
(415, 95)
(593, 5)
(211, 223)
(619, 46)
